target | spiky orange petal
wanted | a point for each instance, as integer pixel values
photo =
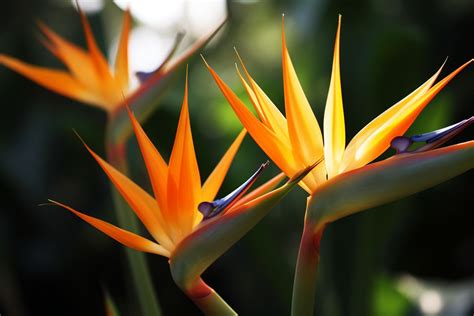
(121, 62)
(277, 150)
(375, 138)
(144, 206)
(56, 80)
(269, 114)
(75, 58)
(334, 127)
(184, 181)
(124, 237)
(99, 60)
(303, 128)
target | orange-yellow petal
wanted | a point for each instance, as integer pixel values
(124, 237)
(215, 179)
(55, 80)
(375, 138)
(98, 59)
(303, 128)
(121, 62)
(184, 181)
(76, 59)
(144, 206)
(276, 149)
(269, 114)
(334, 127)
(154, 162)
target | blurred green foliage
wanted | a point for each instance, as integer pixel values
(51, 263)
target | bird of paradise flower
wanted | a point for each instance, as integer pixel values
(344, 176)
(88, 77)
(182, 209)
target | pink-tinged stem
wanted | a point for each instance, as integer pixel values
(304, 286)
(208, 301)
(139, 271)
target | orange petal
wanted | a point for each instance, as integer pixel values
(124, 237)
(55, 80)
(184, 181)
(121, 62)
(99, 60)
(155, 164)
(276, 149)
(215, 179)
(76, 59)
(334, 127)
(144, 206)
(303, 128)
(269, 114)
(375, 138)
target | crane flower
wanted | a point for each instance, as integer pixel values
(88, 77)
(182, 217)
(347, 182)
(172, 214)
(293, 141)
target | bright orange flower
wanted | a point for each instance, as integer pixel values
(88, 78)
(296, 141)
(172, 214)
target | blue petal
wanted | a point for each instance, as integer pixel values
(211, 209)
(432, 139)
(435, 135)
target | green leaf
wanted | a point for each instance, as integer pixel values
(387, 181)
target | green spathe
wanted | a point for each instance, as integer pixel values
(362, 189)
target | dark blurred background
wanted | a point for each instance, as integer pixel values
(412, 257)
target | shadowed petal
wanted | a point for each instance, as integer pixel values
(98, 59)
(124, 237)
(121, 62)
(56, 80)
(76, 59)
(334, 128)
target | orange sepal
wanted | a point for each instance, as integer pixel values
(124, 237)
(144, 206)
(55, 80)
(121, 62)
(215, 179)
(184, 181)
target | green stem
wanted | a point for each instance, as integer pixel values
(208, 301)
(304, 286)
(139, 270)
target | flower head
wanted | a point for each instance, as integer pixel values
(180, 201)
(88, 77)
(295, 141)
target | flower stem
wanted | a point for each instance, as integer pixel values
(139, 270)
(208, 301)
(304, 286)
